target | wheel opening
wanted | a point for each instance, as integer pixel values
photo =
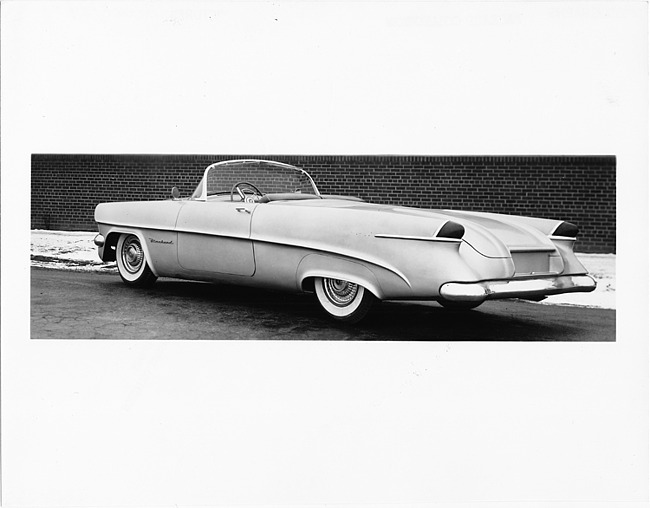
(110, 247)
(308, 285)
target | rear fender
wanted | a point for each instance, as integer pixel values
(571, 263)
(318, 265)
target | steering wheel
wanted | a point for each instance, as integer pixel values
(241, 188)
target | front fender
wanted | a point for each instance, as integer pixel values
(112, 234)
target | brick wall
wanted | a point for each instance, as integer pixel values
(580, 189)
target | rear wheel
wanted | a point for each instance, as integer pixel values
(343, 300)
(132, 263)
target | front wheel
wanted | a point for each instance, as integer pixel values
(343, 300)
(132, 263)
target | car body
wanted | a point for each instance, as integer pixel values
(264, 223)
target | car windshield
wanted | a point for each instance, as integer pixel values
(268, 177)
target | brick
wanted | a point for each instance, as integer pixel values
(67, 187)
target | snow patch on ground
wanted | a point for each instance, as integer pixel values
(67, 250)
(74, 250)
(601, 267)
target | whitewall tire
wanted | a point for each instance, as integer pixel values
(132, 262)
(343, 300)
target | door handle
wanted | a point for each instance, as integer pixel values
(241, 209)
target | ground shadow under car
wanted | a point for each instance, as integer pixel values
(299, 316)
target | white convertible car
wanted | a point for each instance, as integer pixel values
(263, 223)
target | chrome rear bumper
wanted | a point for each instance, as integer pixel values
(523, 288)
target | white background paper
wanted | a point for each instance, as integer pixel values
(115, 423)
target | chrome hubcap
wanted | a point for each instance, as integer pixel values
(132, 255)
(340, 292)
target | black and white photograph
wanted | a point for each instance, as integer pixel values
(367, 253)
(293, 259)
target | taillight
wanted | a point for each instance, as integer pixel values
(566, 229)
(451, 229)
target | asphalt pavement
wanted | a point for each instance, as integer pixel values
(93, 305)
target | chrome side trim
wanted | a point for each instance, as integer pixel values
(175, 230)
(565, 238)
(421, 238)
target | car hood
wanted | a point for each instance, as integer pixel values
(492, 235)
